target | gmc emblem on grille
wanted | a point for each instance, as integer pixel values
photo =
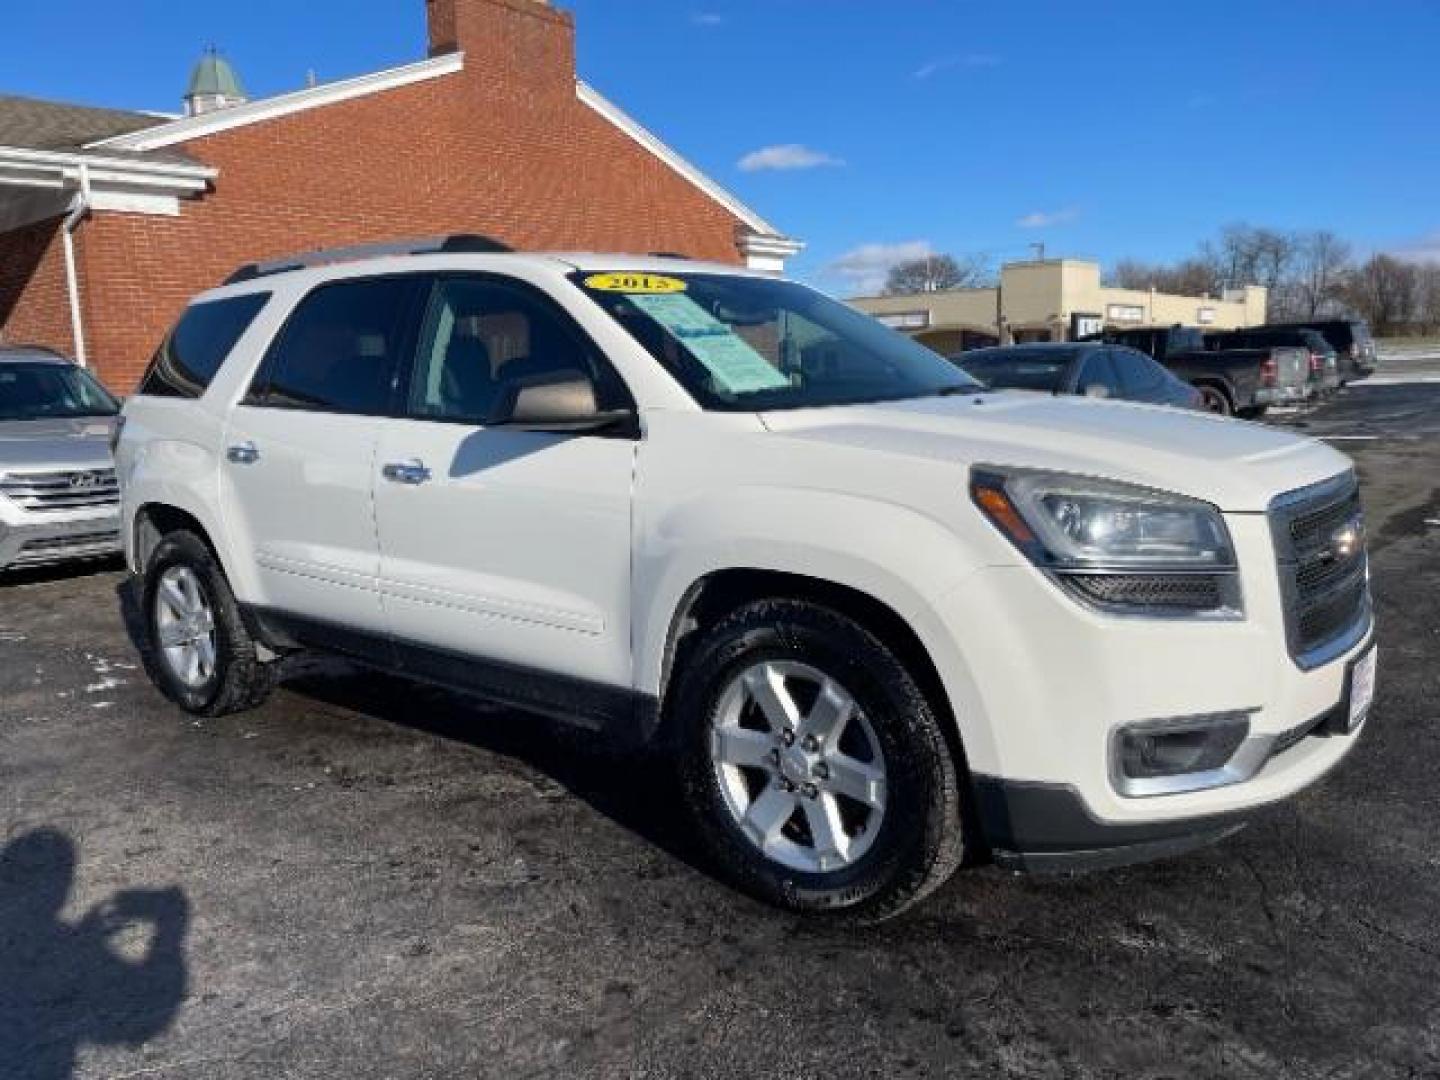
(84, 481)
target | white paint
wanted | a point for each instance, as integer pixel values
(768, 253)
(78, 209)
(180, 175)
(255, 112)
(136, 202)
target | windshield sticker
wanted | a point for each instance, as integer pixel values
(635, 284)
(736, 367)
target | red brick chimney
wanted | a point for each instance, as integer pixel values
(525, 44)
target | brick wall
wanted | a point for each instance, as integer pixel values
(34, 305)
(502, 148)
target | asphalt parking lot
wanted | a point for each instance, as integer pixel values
(370, 879)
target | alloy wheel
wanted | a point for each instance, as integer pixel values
(799, 765)
(185, 627)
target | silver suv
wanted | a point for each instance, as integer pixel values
(58, 497)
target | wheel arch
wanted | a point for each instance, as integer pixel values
(1220, 383)
(711, 597)
(154, 520)
(721, 591)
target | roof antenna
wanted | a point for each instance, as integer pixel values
(310, 79)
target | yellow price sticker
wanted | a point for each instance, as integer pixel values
(636, 284)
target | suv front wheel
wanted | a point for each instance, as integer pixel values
(201, 655)
(813, 763)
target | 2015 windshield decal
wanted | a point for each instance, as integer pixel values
(635, 284)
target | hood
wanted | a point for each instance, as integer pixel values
(79, 443)
(1237, 465)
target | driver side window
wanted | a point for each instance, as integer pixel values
(481, 337)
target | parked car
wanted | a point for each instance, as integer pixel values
(1351, 340)
(881, 618)
(1232, 382)
(1097, 371)
(1323, 360)
(58, 496)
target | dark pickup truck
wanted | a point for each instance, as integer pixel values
(1232, 382)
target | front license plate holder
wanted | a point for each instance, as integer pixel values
(1359, 691)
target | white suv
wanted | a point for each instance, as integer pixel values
(886, 621)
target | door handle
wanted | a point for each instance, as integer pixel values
(245, 453)
(406, 472)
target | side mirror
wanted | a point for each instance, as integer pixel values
(562, 401)
(1097, 390)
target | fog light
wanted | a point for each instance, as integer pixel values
(1165, 748)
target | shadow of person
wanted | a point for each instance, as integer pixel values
(115, 978)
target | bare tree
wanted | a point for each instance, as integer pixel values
(1322, 264)
(1427, 296)
(1383, 290)
(1190, 277)
(935, 272)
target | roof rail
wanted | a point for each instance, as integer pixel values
(457, 243)
(671, 255)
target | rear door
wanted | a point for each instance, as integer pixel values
(300, 453)
(496, 542)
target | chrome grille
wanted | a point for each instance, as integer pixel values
(1319, 535)
(77, 489)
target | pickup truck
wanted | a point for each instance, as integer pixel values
(1232, 382)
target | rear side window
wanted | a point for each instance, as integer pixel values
(189, 357)
(1098, 370)
(341, 351)
(1139, 375)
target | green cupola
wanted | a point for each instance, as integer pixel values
(213, 85)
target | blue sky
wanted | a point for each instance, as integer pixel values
(1103, 130)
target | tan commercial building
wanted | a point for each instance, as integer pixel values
(1053, 300)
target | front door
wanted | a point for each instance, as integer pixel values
(497, 543)
(297, 484)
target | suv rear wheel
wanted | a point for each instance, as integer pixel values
(814, 765)
(201, 655)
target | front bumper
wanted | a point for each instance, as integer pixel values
(1040, 685)
(45, 539)
(1047, 828)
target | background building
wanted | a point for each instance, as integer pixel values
(110, 221)
(1052, 300)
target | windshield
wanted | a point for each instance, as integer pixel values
(751, 344)
(49, 391)
(1019, 369)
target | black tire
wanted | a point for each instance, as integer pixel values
(1214, 399)
(920, 841)
(240, 680)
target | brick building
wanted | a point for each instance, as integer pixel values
(110, 221)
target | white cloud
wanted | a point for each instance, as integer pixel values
(945, 63)
(707, 18)
(1043, 219)
(786, 157)
(865, 268)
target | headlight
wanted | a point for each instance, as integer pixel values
(1117, 546)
